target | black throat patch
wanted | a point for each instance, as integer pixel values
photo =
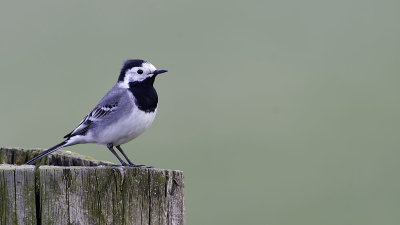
(145, 94)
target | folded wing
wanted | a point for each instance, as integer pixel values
(97, 114)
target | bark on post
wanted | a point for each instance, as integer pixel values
(85, 191)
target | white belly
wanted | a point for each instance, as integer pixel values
(127, 128)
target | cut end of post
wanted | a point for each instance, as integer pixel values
(19, 156)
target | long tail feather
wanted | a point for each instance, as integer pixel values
(48, 151)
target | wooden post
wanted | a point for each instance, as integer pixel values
(71, 189)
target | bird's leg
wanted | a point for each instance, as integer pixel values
(129, 161)
(123, 153)
(110, 147)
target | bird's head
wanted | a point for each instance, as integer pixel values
(137, 71)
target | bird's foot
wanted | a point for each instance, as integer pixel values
(133, 165)
(138, 166)
(116, 165)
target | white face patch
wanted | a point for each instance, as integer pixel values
(138, 74)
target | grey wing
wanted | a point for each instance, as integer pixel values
(97, 114)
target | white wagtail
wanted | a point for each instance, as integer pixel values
(124, 113)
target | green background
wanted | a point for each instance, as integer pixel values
(278, 112)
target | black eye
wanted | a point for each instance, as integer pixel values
(140, 71)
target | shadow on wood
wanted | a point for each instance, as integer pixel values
(86, 191)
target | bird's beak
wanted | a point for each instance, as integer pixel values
(156, 72)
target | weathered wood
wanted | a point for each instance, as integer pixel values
(87, 194)
(17, 195)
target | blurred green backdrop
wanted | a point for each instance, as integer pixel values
(278, 112)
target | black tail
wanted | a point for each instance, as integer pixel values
(48, 151)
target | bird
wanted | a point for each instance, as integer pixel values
(125, 112)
